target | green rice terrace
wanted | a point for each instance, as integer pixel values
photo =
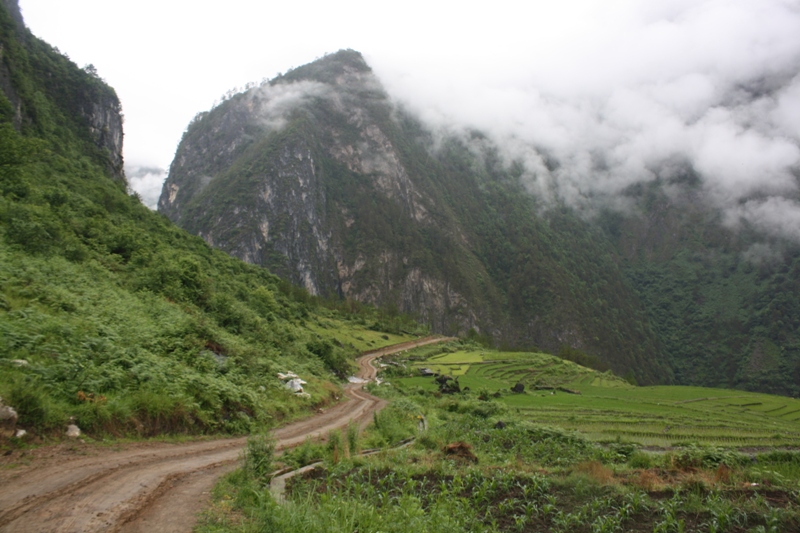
(601, 406)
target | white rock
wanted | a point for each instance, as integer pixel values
(7, 414)
(20, 433)
(288, 375)
(73, 431)
(295, 385)
(19, 362)
(303, 394)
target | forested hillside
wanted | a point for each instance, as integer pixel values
(725, 303)
(112, 315)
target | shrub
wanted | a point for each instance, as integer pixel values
(335, 445)
(259, 456)
(334, 358)
(305, 454)
(34, 408)
(705, 457)
(161, 412)
(640, 460)
(352, 439)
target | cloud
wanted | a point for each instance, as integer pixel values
(774, 215)
(712, 84)
(272, 104)
(147, 182)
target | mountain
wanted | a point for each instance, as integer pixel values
(318, 176)
(112, 316)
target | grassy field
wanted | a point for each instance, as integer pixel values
(349, 334)
(604, 407)
(467, 472)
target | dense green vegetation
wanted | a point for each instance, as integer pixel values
(724, 303)
(112, 316)
(481, 464)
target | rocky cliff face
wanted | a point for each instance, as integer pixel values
(104, 117)
(91, 106)
(262, 178)
(319, 177)
(16, 26)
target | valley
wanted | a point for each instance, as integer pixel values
(332, 280)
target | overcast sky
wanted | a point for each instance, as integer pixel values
(618, 91)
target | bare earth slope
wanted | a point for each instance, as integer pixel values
(153, 487)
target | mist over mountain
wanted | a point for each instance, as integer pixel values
(641, 94)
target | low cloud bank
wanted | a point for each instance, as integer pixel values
(712, 86)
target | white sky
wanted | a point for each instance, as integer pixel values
(642, 82)
(169, 59)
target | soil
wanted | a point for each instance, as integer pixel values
(145, 486)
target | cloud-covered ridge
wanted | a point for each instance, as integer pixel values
(645, 92)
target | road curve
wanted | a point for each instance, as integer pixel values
(156, 486)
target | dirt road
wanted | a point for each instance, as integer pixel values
(152, 486)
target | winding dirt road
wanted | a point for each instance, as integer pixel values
(154, 487)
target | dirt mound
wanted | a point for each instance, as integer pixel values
(460, 450)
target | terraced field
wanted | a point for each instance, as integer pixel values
(602, 406)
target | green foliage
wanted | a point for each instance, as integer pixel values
(352, 436)
(307, 453)
(589, 361)
(724, 304)
(558, 482)
(335, 448)
(34, 408)
(259, 456)
(527, 477)
(640, 460)
(334, 359)
(706, 457)
(393, 424)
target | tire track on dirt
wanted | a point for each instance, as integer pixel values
(157, 487)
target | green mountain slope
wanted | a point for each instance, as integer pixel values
(318, 176)
(725, 304)
(111, 314)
